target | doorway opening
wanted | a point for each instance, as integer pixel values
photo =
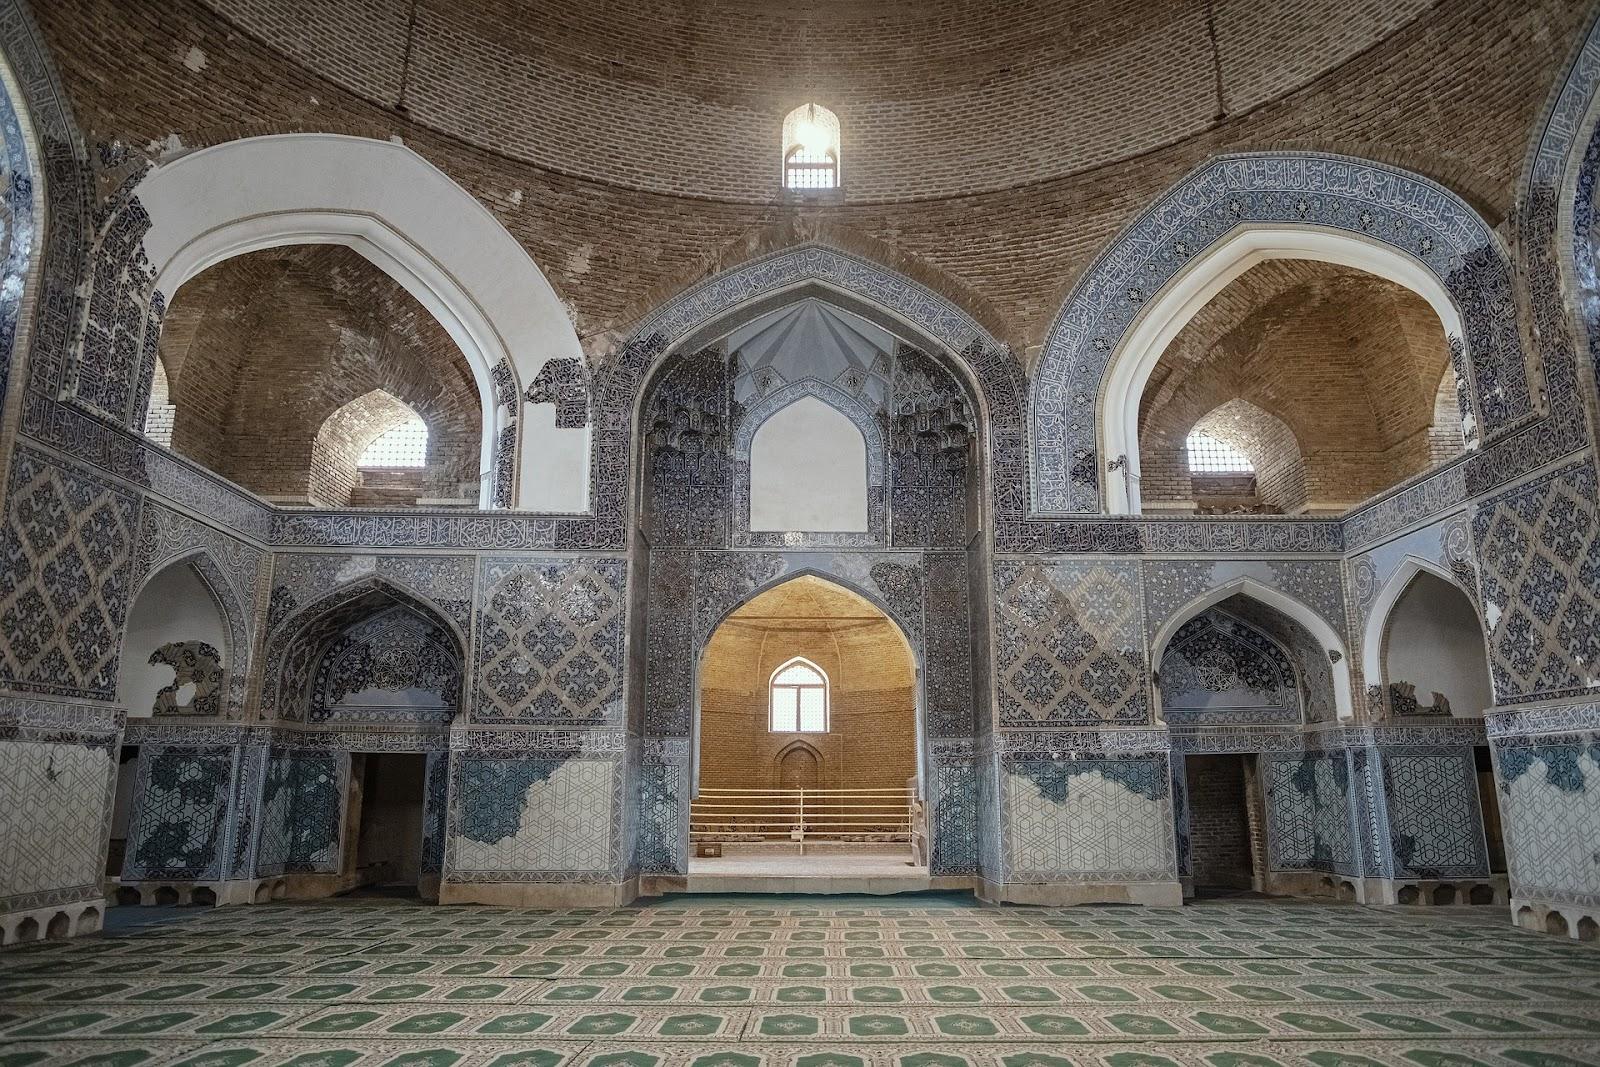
(807, 774)
(387, 800)
(1224, 832)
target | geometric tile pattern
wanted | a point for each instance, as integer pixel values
(65, 558)
(52, 817)
(302, 812)
(180, 807)
(1432, 801)
(550, 641)
(1550, 805)
(560, 820)
(1539, 550)
(1218, 667)
(1069, 644)
(1099, 830)
(1308, 813)
(930, 982)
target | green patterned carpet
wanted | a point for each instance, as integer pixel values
(742, 982)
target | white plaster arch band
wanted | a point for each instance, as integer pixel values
(1381, 206)
(1318, 627)
(1200, 281)
(413, 222)
(1372, 668)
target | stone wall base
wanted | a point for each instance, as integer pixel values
(1577, 921)
(55, 922)
(1441, 892)
(1066, 894)
(540, 894)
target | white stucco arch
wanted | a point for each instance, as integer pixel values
(1196, 285)
(1372, 666)
(1316, 625)
(413, 222)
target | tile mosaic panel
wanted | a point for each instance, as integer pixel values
(177, 829)
(1308, 813)
(1089, 820)
(65, 578)
(1171, 585)
(1435, 824)
(396, 666)
(1069, 643)
(529, 819)
(550, 641)
(55, 797)
(1550, 806)
(1538, 548)
(1219, 668)
(302, 812)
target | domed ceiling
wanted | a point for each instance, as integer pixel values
(936, 97)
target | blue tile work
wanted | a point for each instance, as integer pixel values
(1100, 819)
(520, 816)
(177, 829)
(395, 666)
(65, 577)
(564, 383)
(1218, 669)
(1538, 547)
(550, 641)
(435, 812)
(1309, 814)
(302, 812)
(1375, 203)
(1547, 772)
(1069, 644)
(1431, 797)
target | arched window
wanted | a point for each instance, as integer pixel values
(799, 698)
(1212, 455)
(405, 445)
(810, 149)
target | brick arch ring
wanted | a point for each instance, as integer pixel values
(1224, 217)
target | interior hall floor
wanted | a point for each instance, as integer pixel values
(924, 981)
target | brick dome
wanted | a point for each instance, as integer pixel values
(937, 98)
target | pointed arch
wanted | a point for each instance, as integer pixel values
(1207, 230)
(226, 599)
(1314, 624)
(797, 674)
(295, 647)
(1374, 631)
(391, 206)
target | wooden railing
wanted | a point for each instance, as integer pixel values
(801, 815)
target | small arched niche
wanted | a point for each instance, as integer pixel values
(176, 646)
(808, 471)
(1434, 661)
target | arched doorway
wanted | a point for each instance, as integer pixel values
(807, 747)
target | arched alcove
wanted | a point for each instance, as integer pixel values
(1271, 479)
(856, 769)
(1218, 668)
(177, 648)
(808, 471)
(1424, 646)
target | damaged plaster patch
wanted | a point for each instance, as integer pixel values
(195, 59)
(578, 259)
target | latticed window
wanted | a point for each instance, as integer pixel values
(1212, 455)
(405, 445)
(806, 170)
(810, 149)
(799, 698)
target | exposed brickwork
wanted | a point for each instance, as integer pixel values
(1219, 824)
(273, 359)
(870, 742)
(1452, 94)
(1340, 377)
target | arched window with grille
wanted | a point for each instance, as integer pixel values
(810, 149)
(1212, 455)
(402, 445)
(798, 698)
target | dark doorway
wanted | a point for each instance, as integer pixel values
(122, 808)
(388, 845)
(1219, 825)
(1489, 803)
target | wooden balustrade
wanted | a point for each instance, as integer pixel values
(801, 815)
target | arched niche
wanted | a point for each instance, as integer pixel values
(808, 471)
(397, 210)
(1321, 660)
(1202, 281)
(1210, 227)
(1424, 641)
(179, 648)
(1220, 669)
(369, 651)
